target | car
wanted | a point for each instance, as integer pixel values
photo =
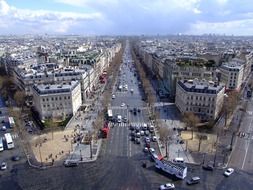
(142, 133)
(123, 104)
(70, 163)
(3, 166)
(3, 128)
(132, 127)
(207, 167)
(137, 128)
(229, 171)
(152, 150)
(138, 135)
(137, 141)
(146, 133)
(113, 96)
(145, 149)
(132, 138)
(124, 120)
(15, 158)
(154, 139)
(138, 110)
(147, 139)
(132, 90)
(144, 126)
(167, 186)
(193, 180)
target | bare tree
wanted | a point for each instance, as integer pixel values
(191, 120)
(19, 98)
(164, 137)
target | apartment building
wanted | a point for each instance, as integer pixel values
(232, 75)
(176, 69)
(57, 100)
(203, 98)
(26, 78)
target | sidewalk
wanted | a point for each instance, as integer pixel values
(82, 152)
(175, 149)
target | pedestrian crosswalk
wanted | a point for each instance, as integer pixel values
(112, 124)
(13, 135)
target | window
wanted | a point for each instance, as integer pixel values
(52, 98)
(43, 99)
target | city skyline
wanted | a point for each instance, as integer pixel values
(114, 17)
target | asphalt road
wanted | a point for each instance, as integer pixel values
(242, 154)
(118, 167)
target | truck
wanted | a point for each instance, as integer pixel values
(179, 170)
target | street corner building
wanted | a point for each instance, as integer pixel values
(203, 98)
(57, 100)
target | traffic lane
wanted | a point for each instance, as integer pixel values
(208, 180)
(7, 154)
(248, 158)
(242, 145)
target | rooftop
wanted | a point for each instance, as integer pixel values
(44, 89)
(200, 86)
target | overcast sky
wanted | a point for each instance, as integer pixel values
(127, 17)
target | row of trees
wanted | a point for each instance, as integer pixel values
(111, 74)
(146, 84)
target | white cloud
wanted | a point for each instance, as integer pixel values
(133, 17)
(236, 27)
(42, 20)
(4, 8)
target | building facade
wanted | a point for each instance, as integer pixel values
(204, 99)
(232, 75)
(57, 101)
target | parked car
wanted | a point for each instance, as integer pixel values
(208, 167)
(3, 166)
(15, 158)
(167, 186)
(193, 180)
(228, 172)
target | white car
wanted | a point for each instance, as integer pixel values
(123, 104)
(3, 166)
(154, 139)
(3, 128)
(229, 171)
(145, 149)
(151, 150)
(113, 96)
(167, 186)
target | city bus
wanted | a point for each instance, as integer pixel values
(9, 140)
(11, 122)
